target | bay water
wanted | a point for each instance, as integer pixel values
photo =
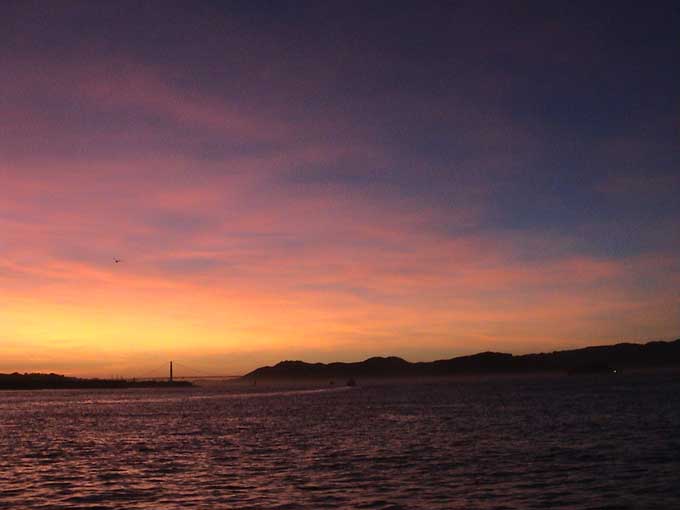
(553, 442)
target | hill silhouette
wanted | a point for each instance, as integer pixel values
(37, 381)
(605, 358)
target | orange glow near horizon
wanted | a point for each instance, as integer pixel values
(248, 236)
(328, 278)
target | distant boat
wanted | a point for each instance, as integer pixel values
(598, 367)
(351, 382)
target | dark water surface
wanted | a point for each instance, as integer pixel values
(551, 442)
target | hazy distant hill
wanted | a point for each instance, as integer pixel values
(599, 358)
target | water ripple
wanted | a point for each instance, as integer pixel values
(539, 443)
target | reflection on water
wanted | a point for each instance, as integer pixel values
(528, 443)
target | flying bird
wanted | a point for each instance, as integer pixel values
(117, 261)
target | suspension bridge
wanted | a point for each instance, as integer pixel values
(168, 372)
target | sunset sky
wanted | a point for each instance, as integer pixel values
(295, 180)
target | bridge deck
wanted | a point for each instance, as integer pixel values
(187, 377)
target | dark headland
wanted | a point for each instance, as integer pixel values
(18, 381)
(588, 360)
(598, 359)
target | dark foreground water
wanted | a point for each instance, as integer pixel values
(560, 442)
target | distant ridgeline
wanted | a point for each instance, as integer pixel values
(600, 359)
(18, 381)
